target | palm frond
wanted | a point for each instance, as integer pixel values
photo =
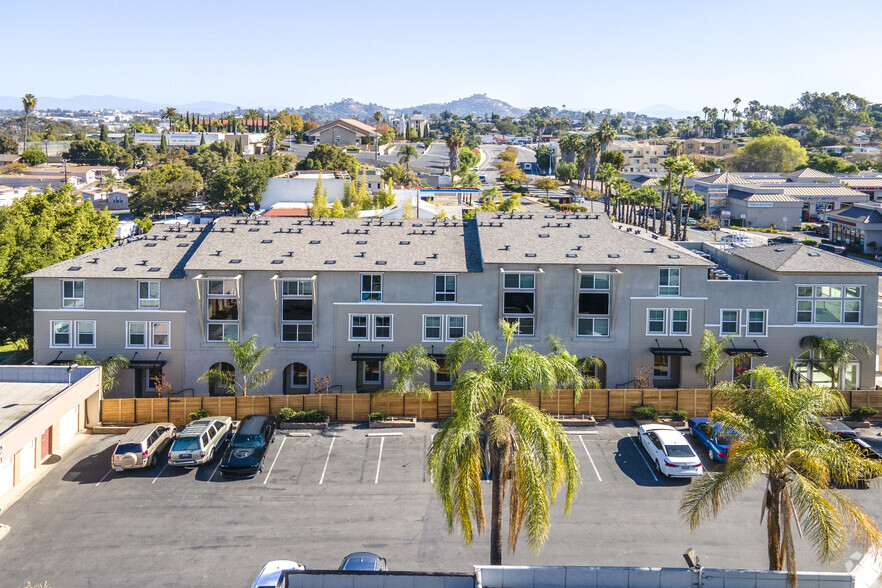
(707, 495)
(408, 367)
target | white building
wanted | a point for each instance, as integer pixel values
(299, 186)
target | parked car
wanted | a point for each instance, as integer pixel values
(846, 434)
(363, 561)
(669, 451)
(199, 441)
(736, 239)
(140, 445)
(837, 249)
(270, 573)
(247, 450)
(782, 240)
(712, 436)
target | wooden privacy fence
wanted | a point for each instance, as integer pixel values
(603, 404)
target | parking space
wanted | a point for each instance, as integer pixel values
(323, 494)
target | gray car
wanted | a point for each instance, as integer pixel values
(198, 443)
(140, 445)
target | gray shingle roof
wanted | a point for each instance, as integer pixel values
(339, 244)
(801, 259)
(859, 214)
(573, 239)
(161, 253)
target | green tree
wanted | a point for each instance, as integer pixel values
(275, 133)
(831, 356)
(28, 103)
(780, 442)
(337, 210)
(33, 157)
(141, 127)
(246, 359)
(468, 159)
(170, 114)
(8, 144)
(143, 154)
(454, 141)
(330, 157)
(165, 188)
(111, 366)
(406, 153)
(776, 154)
(408, 368)
(163, 145)
(713, 357)
(691, 200)
(615, 158)
(546, 184)
(530, 456)
(566, 171)
(319, 208)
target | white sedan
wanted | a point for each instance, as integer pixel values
(272, 571)
(669, 451)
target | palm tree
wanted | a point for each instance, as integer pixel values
(468, 179)
(590, 149)
(406, 153)
(735, 114)
(684, 167)
(651, 201)
(110, 368)
(831, 356)
(569, 145)
(251, 116)
(275, 133)
(29, 102)
(246, 359)
(674, 148)
(408, 366)
(170, 113)
(529, 454)
(780, 441)
(454, 141)
(605, 135)
(607, 172)
(713, 357)
(378, 116)
(692, 200)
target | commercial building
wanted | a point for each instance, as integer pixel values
(859, 225)
(343, 132)
(333, 297)
(299, 186)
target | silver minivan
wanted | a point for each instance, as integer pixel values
(197, 444)
(140, 445)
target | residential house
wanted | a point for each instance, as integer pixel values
(343, 132)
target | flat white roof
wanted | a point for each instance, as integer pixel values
(19, 399)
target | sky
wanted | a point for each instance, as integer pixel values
(584, 54)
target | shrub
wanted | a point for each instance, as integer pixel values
(286, 413)
(679, 415)
(645, 413)
(198, 414)
(311, 416)
(810, 243)
(379, 415)
(33, 157)
(863, 413)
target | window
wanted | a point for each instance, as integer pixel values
(661, 366)
(668, 281)
(73, 293)
(828, 304)
(680, 323)
(299, 375)
(432, 327)
(455, 327)
(741, 365)
(372, 372)
(383, 327)
(223, 310)
(159, 334)
(445, 288)
(756, 322)
(85, 334)
(148, 294)
(358, 326)
(730, 322)
(61, 334)
(593, 315)
(442, 375)
(849, 378)
(136, 334)
(518, 301)
(297, 311)
(372, 287)
(656, 321)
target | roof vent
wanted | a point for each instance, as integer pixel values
(613, 255)
(650, 250)
(361, 242)
(529, 255)
(404, 242)
(266, 241)
(119, 269)
(314, 242)
(149, 244)
(417, 224)
(235, 261)
(419, 262)
(779, 250)
(571, 255)
(183, 244)
(216, 253)
(673, 256)
(543, 235)
(153, 269)
(584, 236)
(380, 262)
(276, 261)
(74, 268)
(433, 256)
(814, 254)
(289, 254)
(253, 230)
(330, 261)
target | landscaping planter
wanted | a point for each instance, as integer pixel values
(857, 424)
(641, 422)
(293, 426)
(393, 422)
(576, 420)
(674, 423)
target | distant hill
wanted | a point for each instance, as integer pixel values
(88, 102)
(665, 111)
(478, 104)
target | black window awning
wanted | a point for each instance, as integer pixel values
(659, 350)
(137, 363)
(364, 356)
(756, 350)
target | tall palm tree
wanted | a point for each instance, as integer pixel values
(29, 103)
(665, 184)
(468, 179)
(831, 356)
(378, 116)
(408, 367)
(605, 135)
(607, 172)
(246, 359)
(454, 141)
(691, 200)
(110, 368)
(569, 145)
(170, 113)
(651, 202)
(590, 149)
(780, 441)
(674, 148)
(735, 113)
(406, 153)
(275, 134)
(529, 454)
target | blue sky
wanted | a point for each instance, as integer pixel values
(582, 53)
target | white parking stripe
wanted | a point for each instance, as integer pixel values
(272, 465)
(590, 458)
(110, 471)
(321, 481)
(160, 473)
(379, 460)
(219, 460)
(640, 453)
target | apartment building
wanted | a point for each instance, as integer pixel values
(641, 156)
(333, 297)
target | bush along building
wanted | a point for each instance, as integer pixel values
(332, 297)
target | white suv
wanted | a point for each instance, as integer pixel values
(198, 442)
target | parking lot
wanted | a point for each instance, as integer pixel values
(322, 496)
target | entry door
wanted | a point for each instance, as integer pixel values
(45, 443)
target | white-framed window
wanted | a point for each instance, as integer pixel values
(382, 327)
(61, 334)
(358, 327)
(297, 311)
(372, 287)
(433, 327)
(656, 321)
(160, 334)
(668, 281)
(136, 334)
(593, 306)
(456, 327)
(849, 379)
(442, 375)
(757, 322)
(445, 288)
(372, 372)
(299, 375)
(85, 334)
(829, 304)
(661, 366)
(222, 310)
(519, 301)
(681, 321)
(73, 293)
(730, 321)
(148, 294)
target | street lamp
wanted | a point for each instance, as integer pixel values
(70, 369)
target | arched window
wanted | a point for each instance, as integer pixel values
(222, 386)
(811, 369)
(296, 379)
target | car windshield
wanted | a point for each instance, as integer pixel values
(186, 445)
(724, 439)
(679, 451)
(360, 563)
(128, 448)
(247, 441)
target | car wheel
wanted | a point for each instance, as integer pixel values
(152, 460)
(710, 453)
